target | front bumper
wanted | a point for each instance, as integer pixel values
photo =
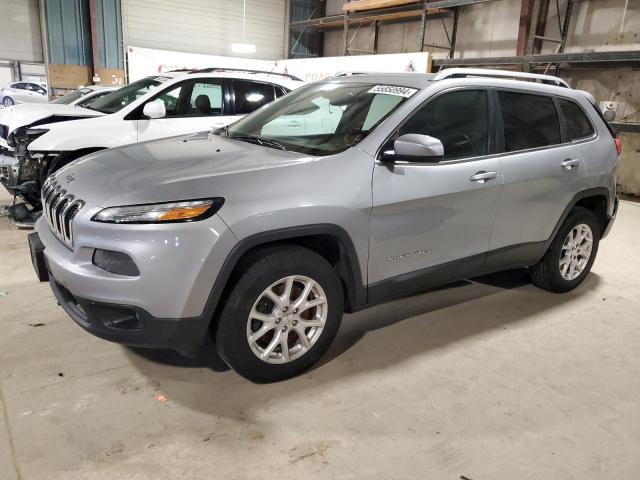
(611, 219)
(163, 307)
(124, 324)
(132, 325)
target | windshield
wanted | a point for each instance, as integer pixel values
(321, 119)
(122, 97)
(69, 98)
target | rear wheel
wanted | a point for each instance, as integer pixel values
(281, 315)
(571, 254)
(8, 101)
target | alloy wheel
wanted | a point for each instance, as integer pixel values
(287, 319)
(576, 251)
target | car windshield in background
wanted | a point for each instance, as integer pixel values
(122, 97)
(72, 97)
(321, 119)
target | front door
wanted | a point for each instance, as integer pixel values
(194, 105)
(427, 216)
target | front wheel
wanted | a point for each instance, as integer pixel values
(8, 102)
(281, 315)
(571, 254)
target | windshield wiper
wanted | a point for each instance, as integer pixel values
(265, 142)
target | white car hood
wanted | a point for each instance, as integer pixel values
(26, 114)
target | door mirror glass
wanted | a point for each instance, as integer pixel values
(414, 147)
(155, 109)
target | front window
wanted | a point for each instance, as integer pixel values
(321, 119)
(69, 98)
(193, 98)
(122, 97)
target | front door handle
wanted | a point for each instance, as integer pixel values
(483, 177)
(570, 163)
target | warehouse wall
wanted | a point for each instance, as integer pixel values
(20, 31)
(206, 26)
(491, 29)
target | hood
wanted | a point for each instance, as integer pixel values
(37, 114)
(177, 168)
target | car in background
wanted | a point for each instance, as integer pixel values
(84, 96)
(170, 104)
(67, 107)
(23, 92)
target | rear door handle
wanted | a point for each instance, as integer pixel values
(482, 177)
(294, 123)
(570, 163)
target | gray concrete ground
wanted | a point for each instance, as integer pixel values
(490, 379)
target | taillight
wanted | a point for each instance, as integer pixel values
(618, 143)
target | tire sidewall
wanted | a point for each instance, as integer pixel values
(231, 335)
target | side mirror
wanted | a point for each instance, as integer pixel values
(413, 147)
(155, 109)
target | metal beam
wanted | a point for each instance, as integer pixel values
(93, 11)
(631, 56)
(316, 22)
(454, 32)
(625, 127)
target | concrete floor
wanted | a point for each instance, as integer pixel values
(491, 379)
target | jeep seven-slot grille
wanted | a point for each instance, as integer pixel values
(60, 208)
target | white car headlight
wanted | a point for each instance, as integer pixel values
(184, 211)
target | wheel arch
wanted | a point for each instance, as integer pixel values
(598, 198)
(328, 240)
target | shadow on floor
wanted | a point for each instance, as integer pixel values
(413, 326)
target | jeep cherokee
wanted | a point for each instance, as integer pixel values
(263, 233)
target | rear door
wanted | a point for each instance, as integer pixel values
(543, 169)
(431, 215)
(194, 105)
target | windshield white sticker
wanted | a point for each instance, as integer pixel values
(393, 90)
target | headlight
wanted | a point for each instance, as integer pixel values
(187, 211)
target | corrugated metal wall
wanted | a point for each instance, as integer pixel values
(206, 26)
(69, 32)
(20, 31)
(109, 25)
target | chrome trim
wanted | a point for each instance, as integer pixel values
(60, 208)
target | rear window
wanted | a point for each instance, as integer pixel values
(530, 121)
(578, 124)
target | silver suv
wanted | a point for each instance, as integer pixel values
(341, 195)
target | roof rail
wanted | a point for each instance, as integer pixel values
(246, 70)
(487, 72)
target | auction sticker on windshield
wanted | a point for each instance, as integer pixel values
(393, 90)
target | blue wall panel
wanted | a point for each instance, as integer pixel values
(109, 25)
(68, 32)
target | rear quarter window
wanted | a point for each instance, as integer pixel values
(578, 124)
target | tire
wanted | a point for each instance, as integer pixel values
(237, 323)
(8, 102)
(549, 274)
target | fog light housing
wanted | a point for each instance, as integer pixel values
(115, 262)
